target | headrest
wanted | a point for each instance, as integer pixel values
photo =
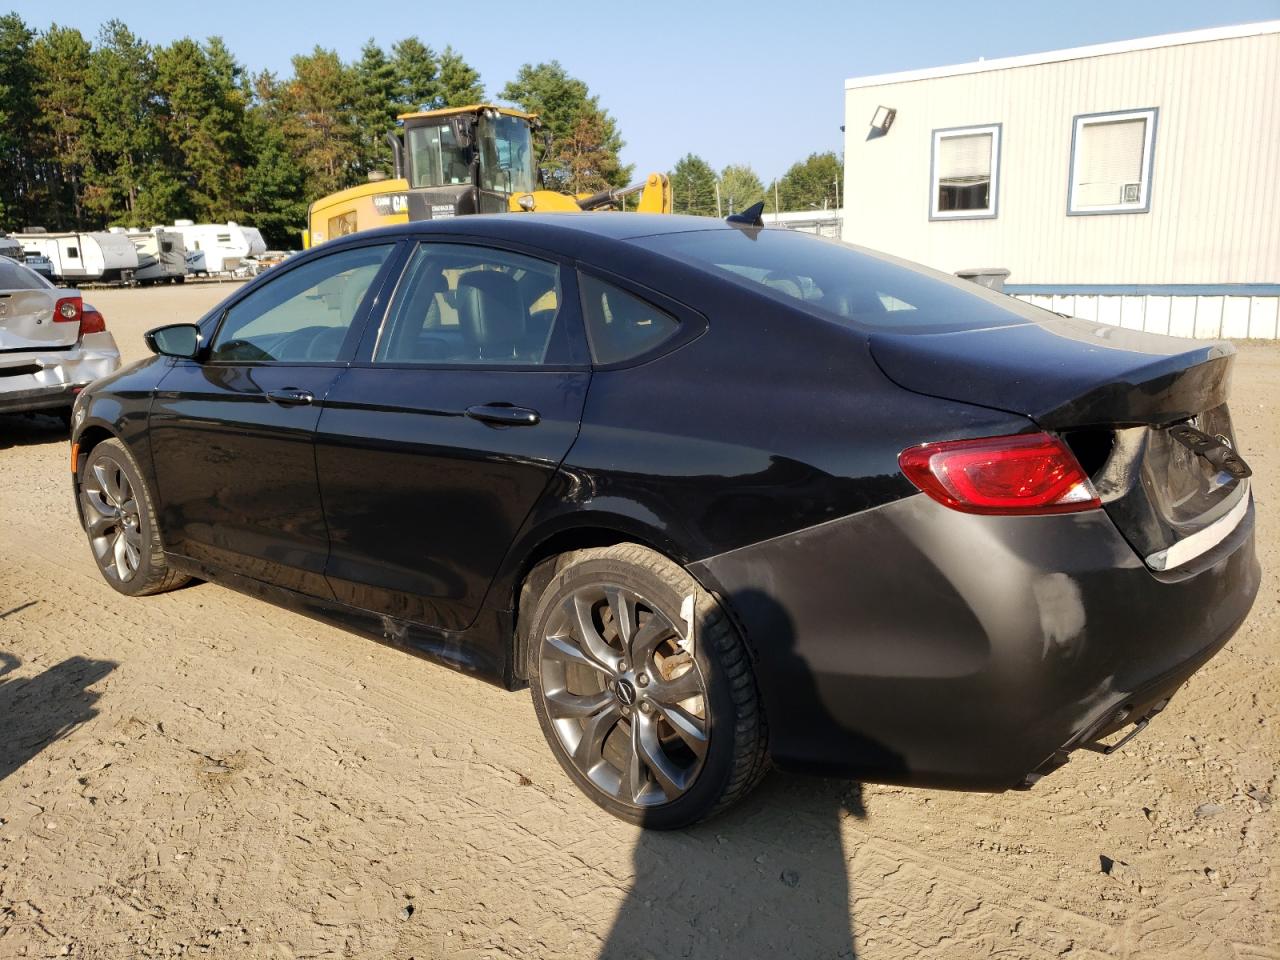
(491, 312)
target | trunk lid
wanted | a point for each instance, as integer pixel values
(1123, 400)
(26, 321)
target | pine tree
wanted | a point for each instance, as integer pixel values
(63, 140)
(127, 181)
(459, 83)
(317, 119)
(377, 106)
(693, 186)
(563, 103)
(18, 121)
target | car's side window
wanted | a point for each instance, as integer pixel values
(459, 304)
(304, 314)
(620, 325)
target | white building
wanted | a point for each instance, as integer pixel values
(1134, 183)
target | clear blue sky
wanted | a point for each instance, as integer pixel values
(733, 80)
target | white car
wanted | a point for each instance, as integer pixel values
(52, 344)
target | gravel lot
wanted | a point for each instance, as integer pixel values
(201, 774)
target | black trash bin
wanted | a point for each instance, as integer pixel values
(992, 278)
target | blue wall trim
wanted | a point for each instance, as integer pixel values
(1146, 289)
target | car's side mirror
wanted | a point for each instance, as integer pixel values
(180, 340)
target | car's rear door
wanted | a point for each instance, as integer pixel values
(434, 447)
(232, 434)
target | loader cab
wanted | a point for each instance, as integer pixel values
(448, 163)
(472, 158)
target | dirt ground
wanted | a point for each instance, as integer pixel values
(201, 774)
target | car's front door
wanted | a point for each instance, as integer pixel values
(436, 444)
(232, 433)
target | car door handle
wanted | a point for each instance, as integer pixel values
(503, 414)
(291, 397)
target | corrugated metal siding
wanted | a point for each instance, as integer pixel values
(1235, 318)
(1215, 203)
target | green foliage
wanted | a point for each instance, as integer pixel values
(18, 175)
(377, 104)
(203, 127)
(693, 186)
(817, 182)
(459, 83)
(125, 113)
(120, 132)
(739, 188)
(318, 120)
(415, 75)
(59, 139)
(585, 142)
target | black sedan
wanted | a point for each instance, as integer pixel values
(720, 495)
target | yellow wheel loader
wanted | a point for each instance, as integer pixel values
(459, 161)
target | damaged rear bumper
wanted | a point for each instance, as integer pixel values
(50, 379)
(914, 644)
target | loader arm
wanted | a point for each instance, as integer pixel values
(655, 197)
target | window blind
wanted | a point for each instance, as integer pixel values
(1108, 156)
(964, 160)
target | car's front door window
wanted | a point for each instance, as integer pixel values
(464, 305)
(304, 314)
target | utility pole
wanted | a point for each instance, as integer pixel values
(718, 200)
(776, 209)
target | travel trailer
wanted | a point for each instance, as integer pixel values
(162, 254)
(84, 257)
(218, 247)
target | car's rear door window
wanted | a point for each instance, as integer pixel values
(461, 304)
(302, 315)
(844, 283)
(620, 325)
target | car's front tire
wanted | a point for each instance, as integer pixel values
(120, 521)
(657, 720)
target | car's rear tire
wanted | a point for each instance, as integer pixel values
(120, 521)
(654, 734)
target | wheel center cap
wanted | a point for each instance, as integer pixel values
(625, 691)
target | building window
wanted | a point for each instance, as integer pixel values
(965, 173)
(1111, 156)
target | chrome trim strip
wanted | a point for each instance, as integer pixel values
(1202, 541)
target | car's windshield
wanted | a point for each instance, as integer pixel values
(506, 157)
(435, 158)
(841, 282)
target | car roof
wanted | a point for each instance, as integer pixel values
(551, 229)
(600, 238)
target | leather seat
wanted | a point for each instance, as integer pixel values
(492, 315)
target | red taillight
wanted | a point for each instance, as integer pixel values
(1024, 474)
(68, 310)
(91, 321)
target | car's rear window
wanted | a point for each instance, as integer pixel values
(13, 276)
(841, 282)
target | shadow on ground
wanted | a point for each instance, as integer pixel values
(770, 877)
(37, 711)
(25, 430)
(766, 880)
